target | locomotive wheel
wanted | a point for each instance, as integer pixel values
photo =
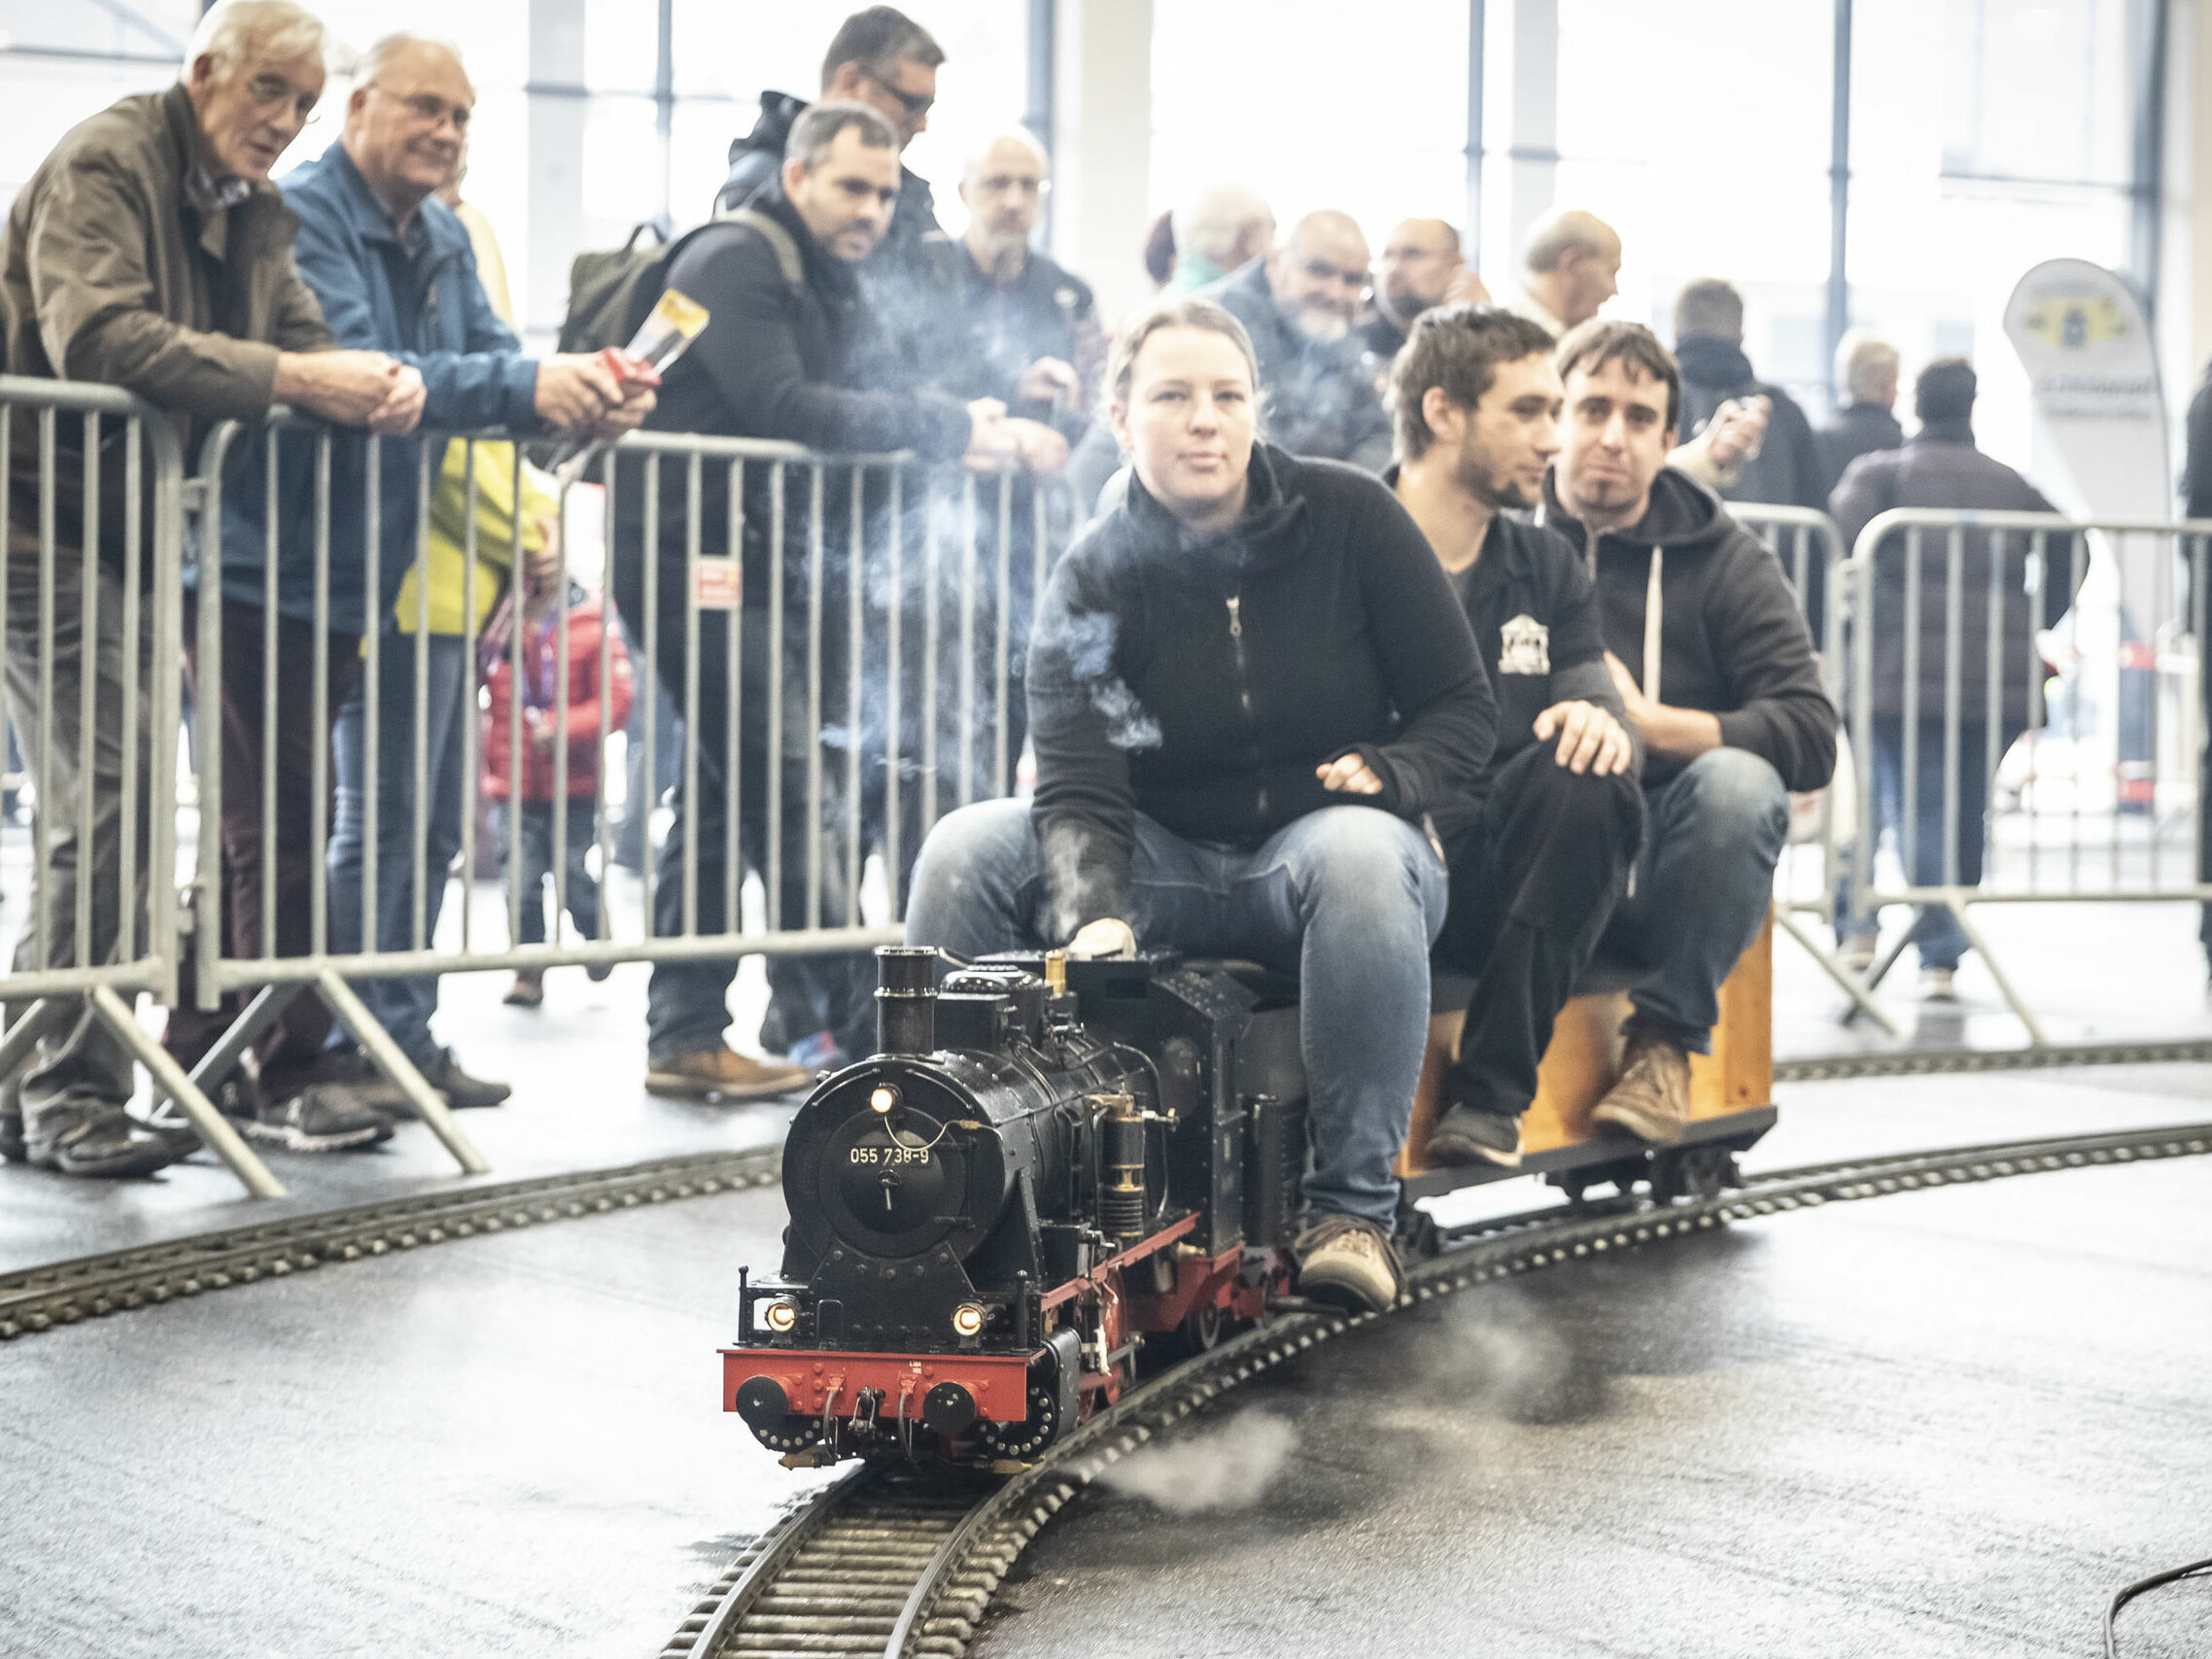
(1025, 1439)
(1202, 1329)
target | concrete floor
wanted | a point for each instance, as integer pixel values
(1923, 1424)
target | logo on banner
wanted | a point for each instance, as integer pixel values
(1524, 646)
(716, 584)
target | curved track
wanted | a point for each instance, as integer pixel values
(884, 1565)
(39, 1299)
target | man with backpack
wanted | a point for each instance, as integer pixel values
(783, 356)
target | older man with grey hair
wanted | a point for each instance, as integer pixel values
(148, 251)
(1221, 228)
(1866, 371)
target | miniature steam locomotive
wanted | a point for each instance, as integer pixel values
(1049, 1162)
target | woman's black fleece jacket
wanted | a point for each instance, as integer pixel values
(1200, 682)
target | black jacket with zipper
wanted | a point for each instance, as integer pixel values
(1727, 636)
(1202, 681)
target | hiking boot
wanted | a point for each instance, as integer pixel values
(102, 1142)
(1350, 1264)
(1939, 985)
(323, 1117)
(527, 989)
(721, 1073)
(443, 1073)
(1465, 1135)
(1652, 1101)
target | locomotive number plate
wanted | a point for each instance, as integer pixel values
(887, 1157)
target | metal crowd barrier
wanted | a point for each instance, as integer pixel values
(92, 497)
(873, 687)
(1993, 797)
(1811, 552)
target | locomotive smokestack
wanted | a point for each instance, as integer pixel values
(906, 999)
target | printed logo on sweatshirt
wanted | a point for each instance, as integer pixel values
(1524, 646)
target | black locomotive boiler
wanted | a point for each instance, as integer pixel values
(1048, 1163)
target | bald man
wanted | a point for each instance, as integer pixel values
(1571, 266)
(1422, 268)
(1030, 333)
(1300, 304)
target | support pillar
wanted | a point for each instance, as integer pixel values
(1102, 146)
(556, 192)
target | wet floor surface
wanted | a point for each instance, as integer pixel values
(1943, 1423)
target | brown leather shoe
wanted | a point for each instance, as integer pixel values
(1652, 1101)
(527, 989)
(722, 1074)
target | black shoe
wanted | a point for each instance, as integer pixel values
(1465, 1136)
(443, 1073)
(323, 1117)
(103, 1142)
(597, 972)
(12, 1146)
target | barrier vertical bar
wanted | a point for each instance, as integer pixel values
(2039, 553)
(471, 786)
(558, 713)
(128, 906)
(1002, 607)
(815, 501)
(87, 689)
(856, 628)
(1953, 646)
(967, 749)
(732, 749)
(164, 703)
(2202, 630)
(772, 894)
(693, 492)
(319, 809)
(893, 676)
(1992, 696)
(1909, 818)
(644, 678)
(207, 617)
(41, 814)
(271, 595)
(518, 691)
(371, 709)
(2074, 711)
(419, 871)
(931, 714)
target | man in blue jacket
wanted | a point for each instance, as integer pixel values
(394, 272)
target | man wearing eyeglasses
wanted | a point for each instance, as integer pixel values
(879, 58)
(1299, 305)
(395, 270)
(148, 251)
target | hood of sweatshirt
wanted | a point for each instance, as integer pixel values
(1707, 360)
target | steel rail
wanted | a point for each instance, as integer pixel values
(769, 1605)
(40, 1299)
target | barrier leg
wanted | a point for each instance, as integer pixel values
(2035, 1036)
(212, 1067)
(168, 1075)
(378, 1045)
(42, 1016)
(1881, 971)
(1862, 1000)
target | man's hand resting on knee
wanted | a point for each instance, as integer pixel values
(1108, 936)
(1590, 738)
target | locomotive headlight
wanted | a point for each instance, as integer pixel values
(882, 1097)
(780, 1316)
(968, 1319)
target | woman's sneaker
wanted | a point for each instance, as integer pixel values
(323, 1117)
(1350, 1264)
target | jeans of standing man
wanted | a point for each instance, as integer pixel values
(687, 1007)
(290, 1050)
(80, 1064)
(1714, 833)
(1533, 883)
(1942, 941)
(535, 827)
(402, 1006)
(1347, 897)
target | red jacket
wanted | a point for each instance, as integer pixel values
(580, 715)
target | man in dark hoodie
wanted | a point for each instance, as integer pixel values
(1709, 344)
(777, 361)
(1720, 685)
(1541, 849)
(883, 59)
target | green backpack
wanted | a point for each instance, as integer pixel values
(611, 293)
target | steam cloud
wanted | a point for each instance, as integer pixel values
(1228, 1468)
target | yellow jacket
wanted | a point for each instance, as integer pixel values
(448, 536)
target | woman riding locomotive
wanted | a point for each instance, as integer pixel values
(1248, 683)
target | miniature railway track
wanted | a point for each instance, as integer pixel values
(40, 1299)
(88, 1287)
(886, 1564)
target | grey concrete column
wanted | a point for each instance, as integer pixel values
(556, 165)
(1533, 115)
(1102, 146)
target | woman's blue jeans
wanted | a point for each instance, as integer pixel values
(1349, 898)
